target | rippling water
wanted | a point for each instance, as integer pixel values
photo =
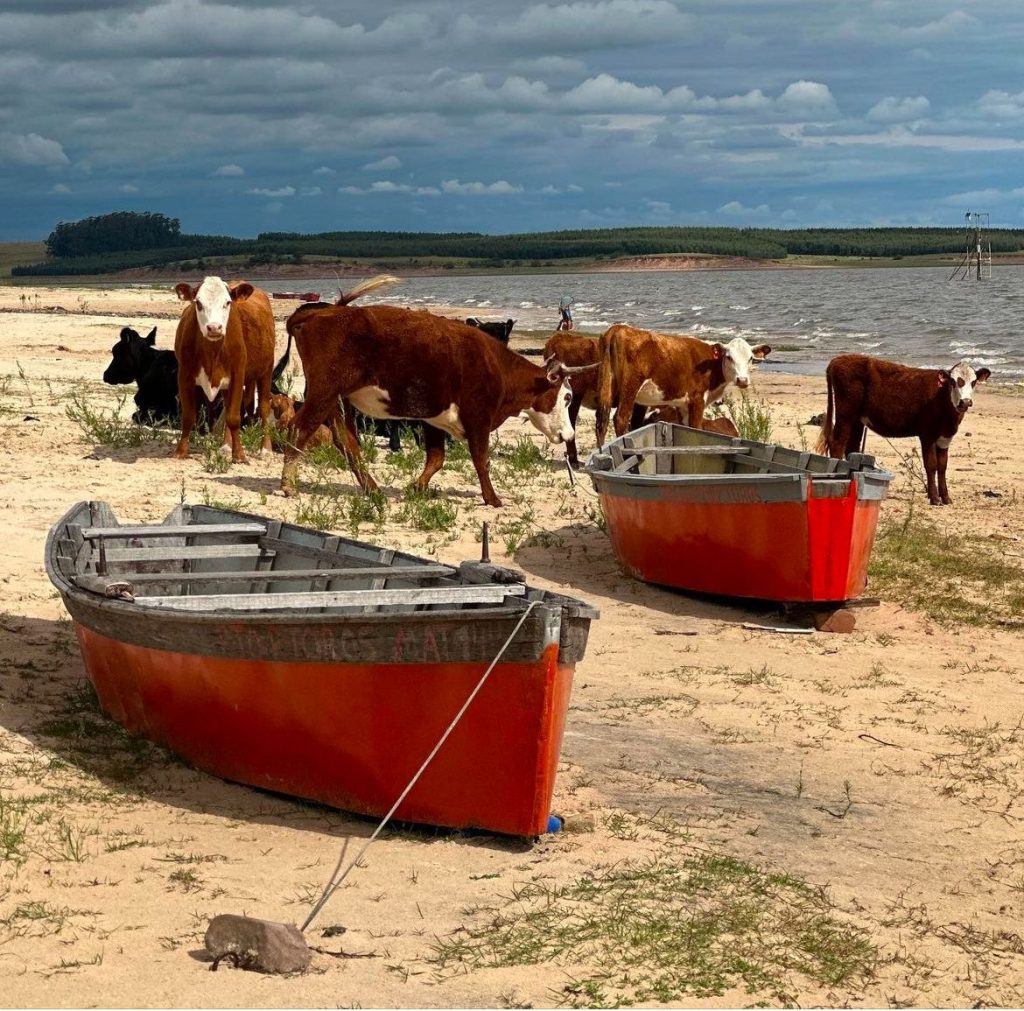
(913, 315)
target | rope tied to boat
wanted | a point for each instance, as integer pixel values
(335, 881)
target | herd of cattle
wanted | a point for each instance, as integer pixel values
(460, 379)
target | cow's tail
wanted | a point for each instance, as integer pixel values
(275, 379)
(605, 385)
(824, 444)
(370, 284)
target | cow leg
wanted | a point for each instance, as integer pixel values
(942, 458)
(433, 439)
(346, 438)
(931, 465)
(394, 437)
(187, 398)
(846, 436)
(308, 419)
(233, 420)
(479, 440)
(638, 417)
(263, 384)
(570, 447)
(624, 412)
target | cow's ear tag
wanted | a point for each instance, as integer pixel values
(716, 352)
(942, 381)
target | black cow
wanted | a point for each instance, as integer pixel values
(499, 331)
(135, 360)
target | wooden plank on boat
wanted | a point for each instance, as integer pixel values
(188, 530)
(627, 464)
(176, 552)
(692, 450)
(412, 573)
(482, 594)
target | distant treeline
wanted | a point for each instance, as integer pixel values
(125, 240)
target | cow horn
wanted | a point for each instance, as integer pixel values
(572, 369)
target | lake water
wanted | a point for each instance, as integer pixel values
(913, 315)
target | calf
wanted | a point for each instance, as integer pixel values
(499, 331)
(284, 409)
(134, 359)
(721, 425)
(639, 367)
(897, 401)
(402, 364)
(224, 342)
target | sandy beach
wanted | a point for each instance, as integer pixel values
(816, 819)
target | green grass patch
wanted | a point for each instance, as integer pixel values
(661, 930)
(110, 427)
(752, 417)
(428, 510)
(949, 577)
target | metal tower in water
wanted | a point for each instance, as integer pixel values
(977, 258)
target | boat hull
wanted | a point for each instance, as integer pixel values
(352, 735)
(707, 513)
(816, 550)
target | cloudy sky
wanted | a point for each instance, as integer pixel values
(505, 115)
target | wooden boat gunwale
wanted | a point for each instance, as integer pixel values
(316, 632)
(776, 472)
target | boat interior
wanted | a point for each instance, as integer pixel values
(666, 450)
(206, 559)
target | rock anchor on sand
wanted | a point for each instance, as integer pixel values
(265, 945)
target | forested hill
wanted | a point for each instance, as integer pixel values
(126, 240)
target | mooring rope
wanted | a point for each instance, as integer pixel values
(335, 882)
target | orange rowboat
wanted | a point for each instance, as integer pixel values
(322, 667)
(704, 512)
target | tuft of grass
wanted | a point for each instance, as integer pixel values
(428, 510)
(752, 417)
(950, 577)
(367, 507)
(109, 427)
(662, 931)
(522, 459)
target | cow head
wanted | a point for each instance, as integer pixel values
(549, 411)
(961, 380)
(736, 358)
(129, 357)
(212, 300)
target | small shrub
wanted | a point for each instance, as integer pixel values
(109, 427)
(426, 510)
(752, 418)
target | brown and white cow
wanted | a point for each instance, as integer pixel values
(898, 401)
(224, 343)
(576, 350)
(398, 363)
(642, 368)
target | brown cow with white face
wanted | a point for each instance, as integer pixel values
(646, 369)
(404, 364)
(898, 402)
(224, 344)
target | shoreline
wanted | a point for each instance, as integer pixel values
(639, 264)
